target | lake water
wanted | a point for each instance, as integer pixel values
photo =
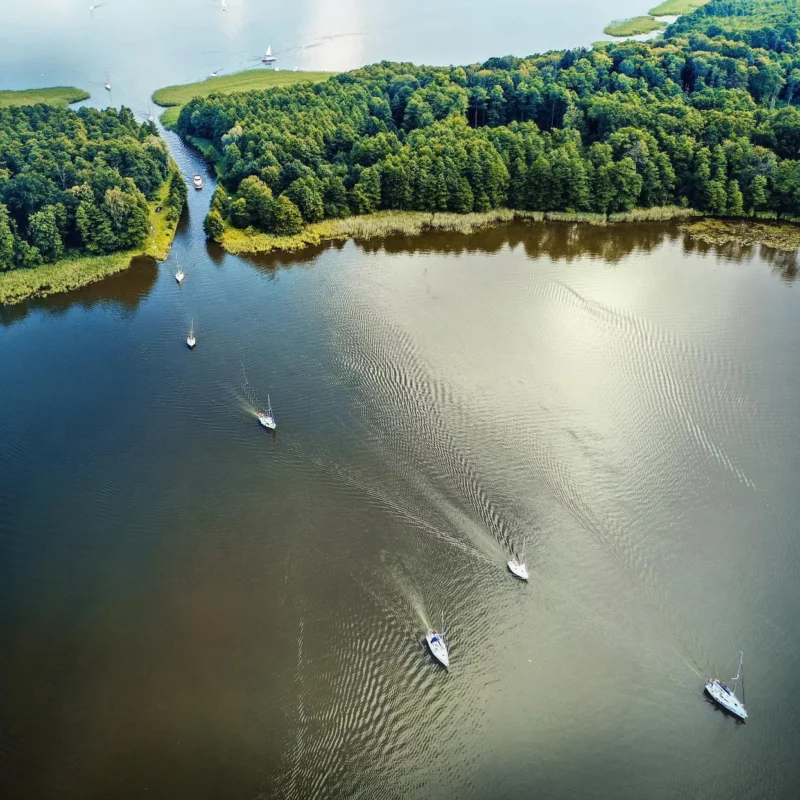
(190, 607)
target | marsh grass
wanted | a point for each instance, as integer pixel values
(777, 235)
(60, 96)
(634, 26)
(676, 8)
(371, 226)
(173, 98)
(79, 269)
(71, 272)
(413, 223)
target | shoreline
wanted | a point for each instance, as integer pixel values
(777, 234)
(58, 96)
(249, 241)
(173, 98)
(77, 270)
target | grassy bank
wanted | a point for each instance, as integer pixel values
(79, 269)
(54, 96)
(676, 8)
(162, 230)
(413, 223)
(634, 26)
(778, 235)
(173, 98)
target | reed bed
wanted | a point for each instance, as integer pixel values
(633, 27)
(413, 223)
(777, 235)
(72, 272)
(676, 8)
(60, 96)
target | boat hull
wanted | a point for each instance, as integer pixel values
(518, 570)
(725, 699)
(438, 648)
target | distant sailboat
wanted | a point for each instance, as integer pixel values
(190, 339)
(268, 419)
(179, 276)
(108, 84)
(268, 57)
(726, 697)
(150, 117)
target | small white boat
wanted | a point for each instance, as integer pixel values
(179, 276)
(215, 73)
(108, 85)
(267, 420)
(150, 117)
(198, 182)
(438, 647)
(725, 697)
(190, 339)
(518, 568)
(268, 57)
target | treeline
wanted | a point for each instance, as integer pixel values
(77, 180)
(704, 117)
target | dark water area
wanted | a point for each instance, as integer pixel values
(190, 607)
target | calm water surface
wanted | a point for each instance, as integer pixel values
(190, 607)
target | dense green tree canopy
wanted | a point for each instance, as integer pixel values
(77, 180)
(703, 117)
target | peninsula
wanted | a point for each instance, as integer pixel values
(60, 96)
(620, 131)
(173, 98)
(100, 190)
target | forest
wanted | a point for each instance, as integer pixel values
(704, 117)
(78, 182)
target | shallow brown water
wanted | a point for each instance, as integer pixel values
(192, 608)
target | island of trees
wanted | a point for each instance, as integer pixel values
(78, 183)
(702, 118)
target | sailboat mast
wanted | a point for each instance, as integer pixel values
(738, 671)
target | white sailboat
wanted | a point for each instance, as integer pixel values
(268, 57)
(518, 568)
(108, 84)
(150, 117)
(190, 339)
(179, 276)
(267, 420)
(437, 644)
(725, 697)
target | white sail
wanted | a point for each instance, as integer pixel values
(269, 51)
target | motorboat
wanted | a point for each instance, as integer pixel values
(725, 697)
(179, 276)
(267, 419)
(438, 647)
(518, 568)
(198, 182)
(190, 339)
(268, 57)
(108, 85)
